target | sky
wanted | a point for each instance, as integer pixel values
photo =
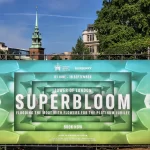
(61, 22)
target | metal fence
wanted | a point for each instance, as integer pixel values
(75, 147)
(76, 57)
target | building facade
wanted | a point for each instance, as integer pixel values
(62, 56)
(18, 51)
(14, 53)
(90, 39)
(3, 47)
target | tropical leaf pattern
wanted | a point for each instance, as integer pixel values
(32, 72)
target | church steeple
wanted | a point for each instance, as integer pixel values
(36, 36)
(36, 50)
(36, 21)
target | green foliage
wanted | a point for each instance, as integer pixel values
(123, 26)
(80, 51)
(56, 57)
(2, 56)
(8, 57)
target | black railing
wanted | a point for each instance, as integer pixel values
(74, 147)
(76, 57)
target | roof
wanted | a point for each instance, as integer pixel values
(2, 43)
(19, 49)
(90, 25)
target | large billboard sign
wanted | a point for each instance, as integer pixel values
(75, 102)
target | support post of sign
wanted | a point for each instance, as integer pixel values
(57, 147)
(83, 55)
(148, 51)
(5, 148)
(6, 55)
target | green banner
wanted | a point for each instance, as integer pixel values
(74, 102)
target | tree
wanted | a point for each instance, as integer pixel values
(80, 51)
(2, 54)
(6, 55)
(56, 57)
(123, 26)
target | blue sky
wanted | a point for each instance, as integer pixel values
(61, 22)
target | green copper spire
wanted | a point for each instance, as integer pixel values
(36, 36)
(36, 21)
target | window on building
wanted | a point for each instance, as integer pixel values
(90, 37)
(66, 58)
(91, 48)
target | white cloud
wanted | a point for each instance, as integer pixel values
(6, 1)
(46, 15)
(14, 37)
